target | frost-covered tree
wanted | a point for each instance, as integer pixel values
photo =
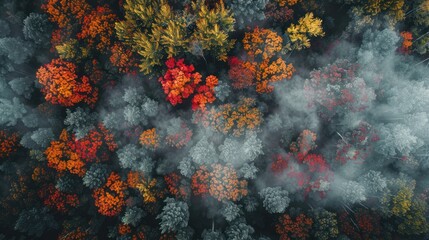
(351, 192)
(378, 43)
(38, 139)
(42, 136)
(37, 28)
(150, 107)
(230, 210)
(174, 215)
(239, 230)
(374, 182)
(397, 139)
(274, 199)
(248, 171)
(11, 111)
(17, 50)
(247, 11)
(222, 90)
(185, 233)
(135, 158)
(212, 235)
(22, 86)
(186, 168)
(250, 204)
(80, 121)
(96, 176)
(203, 152)
(238, 153)
(34, 222)
(132, 216)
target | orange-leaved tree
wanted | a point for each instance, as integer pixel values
(65, 13)
(98, 28)
(61, 84)
(235, 118)
(262, 47)
(149, 139)
(109, 199)
(220, 181)
(62, 158)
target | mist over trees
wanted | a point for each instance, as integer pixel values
(214, 119)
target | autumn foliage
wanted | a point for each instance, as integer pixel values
(8, 143)
(58, 200)
(181, 81)
(221, 182)
(232, 118)
(294, 228)
(110, 198)
(149, 138)
(262, 47)
(61, 84)
(98, 28)
(62, 158)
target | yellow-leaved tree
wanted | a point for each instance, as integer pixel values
(156, 31)
(300, 34)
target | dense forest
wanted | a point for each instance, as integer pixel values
(214, 119)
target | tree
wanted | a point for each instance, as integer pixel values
(180, 82)
(407, 42)
(278, 12)
(145, 187)
(221, 182)
(325, 225)
(35, 221)
(132, 216)
(308, 26)
(178, 133)
(98, 28)
(37, 28)
(352, 192)
(235, 118)
(60, 156)
(397, 139)
(374, 182)
(130, 156)
(239, 153)
(110, 198)
(335, 90)
(239, 230)
(11, 111)
(149, 139)
(224, 184)
(66, 13)
(16, 50)
(203, 152)
(174, 215)
(247, 11)
(122, 58)
(80, 121)
(294, 228)
(58, 200)
(61, 84)
(262, 46)
(230, 210)
(22, 86)
(8, 143)
(275, 199)
(156, 32)
(96, 176)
